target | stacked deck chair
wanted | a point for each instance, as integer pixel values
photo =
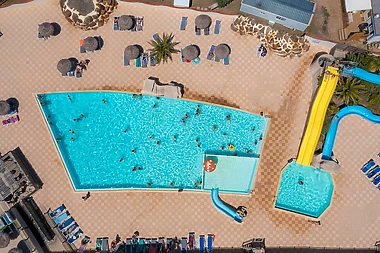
(209, 243)
(183, 244)
(201, 243)
(191, 241)
(161, 245)
(56, 212)
(169, 245)
(367, 166)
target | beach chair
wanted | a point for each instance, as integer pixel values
(72, 73)
(53, 214)
(161, 245)
(138, 62)
(153, 245)
(145, 59)
(209, 243)
(81, 48)
(217, 27)
(183, 244)
(128, 245)
(66, 224)
(70, 230)
(169, 245)
(183, 24)
(367, 166)
(210, 54)
(152, 59)
(75, 236)
(197, 31)
(61, 217)
(226, 60)
(155, 37)
(141, 245)
(201, 243)
(126, 60)
(373, 172)
(78, 72)
(40, 36)
(217, 59)
(206, 31)
(140, 23)
(116, 24)
(376, 181)
(180, 55)
(147, 245)
(11, 120)
(64, 74)
(191, 241)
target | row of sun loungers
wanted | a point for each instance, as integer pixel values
(11, 120)
(141, 62)
(183, 26)
(151, 87)
(372, 171)
(65, 224)
(77, 72)
(138, 21)
(159, 245)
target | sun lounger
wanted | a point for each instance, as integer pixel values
(78, 72)
(53, 214)
(153, 245)
(210, 54)
(180, 54)
(367, 166)
(66, 224)
(149, 85)
(201, 243)
(217, 59)
(191, 241)
(145, 60)
(213, 6)
(169, 91)
(152, 59)
(64, 74)
(373, 172)
(217, 27)
(98, 244)
(161, 245)
(183, 244)
(61, 218)
(206, 31)
(155, 37)
(183, 24)
(126, 60)
(226, 60)
(147, 245)
(70, 230)
(11, 120)
(81, 48)
(138, 62)
(140, 23)
(376, 181)
(116, 24)
(209, 242)
(141, 245)
(197, 31)
(75, 237)
(128, 245)
(169, 245)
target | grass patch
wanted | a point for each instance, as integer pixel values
(326, 16)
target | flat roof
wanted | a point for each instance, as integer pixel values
(375, 16)
(357, 5)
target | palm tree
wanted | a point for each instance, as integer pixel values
(349, 90)
(373, 93)
(163, 48)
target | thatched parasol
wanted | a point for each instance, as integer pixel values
(4, 238)
(64, 66)
(15, 250)
(83, 7)
(90, 43)
(203, 21)
(132, 52)
(125, 22)
(4, 109)
(190, 52)
(222, 51)
(46, 29)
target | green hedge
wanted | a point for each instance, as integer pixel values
(222, 3)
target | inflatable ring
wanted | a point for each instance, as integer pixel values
(231, 147)
(209, 165)
(196, 61)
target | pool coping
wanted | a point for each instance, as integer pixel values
(144, 189)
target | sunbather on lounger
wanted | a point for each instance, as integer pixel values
(191, 240)
(57, 211)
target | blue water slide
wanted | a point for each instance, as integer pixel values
(349, 110)
(362, 74)
(223, 207)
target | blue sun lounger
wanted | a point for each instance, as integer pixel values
(152, 59)
(61, 218)
(180, 54)
(226, 60)
(201, 243)
(141, 245)
(367, 166)
(153, 245)
(206, 31)
(209, 242)
(138, 62)
(183, 24)
(210, 54)
(217, 27)
(116, 24)
(147, 245)
(373, 172)
(155, 37)
(161, 245)
(70, 230)
(169, 244)
(183, 244)
(65, 224)
(53, 214)
(376, 181)
(75, 236)
(197, 31)
(128, 245)
(217, 59)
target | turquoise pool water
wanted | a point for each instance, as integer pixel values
(304, 190)
(104, 138)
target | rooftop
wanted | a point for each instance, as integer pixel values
(376, 16)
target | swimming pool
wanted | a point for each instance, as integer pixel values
(304, 190)
(116, 140)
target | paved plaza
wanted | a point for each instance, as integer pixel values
(279, 87)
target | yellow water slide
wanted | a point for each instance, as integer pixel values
(317, 116)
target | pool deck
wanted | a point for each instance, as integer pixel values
(279, 87)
